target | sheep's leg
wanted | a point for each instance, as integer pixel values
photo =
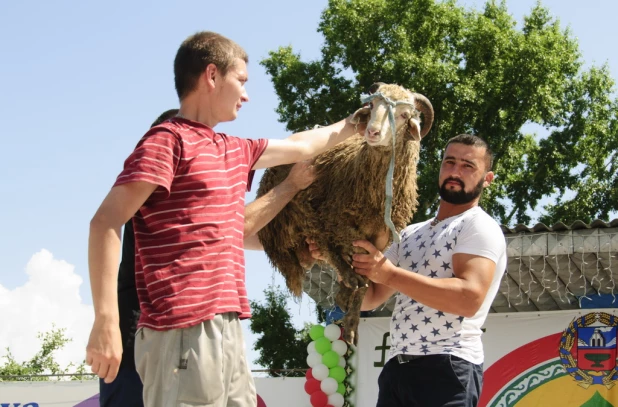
(352, 316)
(348, 277)
(304, 257)
(352, 280)
(342, 299)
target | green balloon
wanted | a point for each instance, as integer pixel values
(322, 345)
(316, 332)
(337, 373)
(341, 389)
(330, 359)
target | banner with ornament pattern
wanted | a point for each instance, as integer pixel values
(549, 359)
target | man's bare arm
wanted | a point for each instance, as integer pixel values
(307, 144)
(376, 295)
(104, 348)
(261, 211)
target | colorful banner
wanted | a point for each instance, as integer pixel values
(548, 359)
(560, 358)
(272, 392)
(49, 394)
(555, 358)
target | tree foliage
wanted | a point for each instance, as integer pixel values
(281, 346)
(43, 362)
(484, 75)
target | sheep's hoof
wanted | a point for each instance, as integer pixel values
(348, 283)
(349, 336)
(348, 259)
(360, 282)
(354, 281)
(353, 285)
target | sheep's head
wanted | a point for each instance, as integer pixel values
(378, 131)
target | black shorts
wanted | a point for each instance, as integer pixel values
(430, 381)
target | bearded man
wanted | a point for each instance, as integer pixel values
(446, 272)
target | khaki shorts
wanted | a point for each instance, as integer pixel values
(203, 365)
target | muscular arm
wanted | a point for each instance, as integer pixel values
(261, 211)
(304, 145)
(104, 348)
(459, 295)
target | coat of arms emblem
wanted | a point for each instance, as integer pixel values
(588, 349)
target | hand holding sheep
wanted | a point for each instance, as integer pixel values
(301, 175)
(373, 264)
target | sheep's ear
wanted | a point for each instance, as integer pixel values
(361, 115)
(414, 129)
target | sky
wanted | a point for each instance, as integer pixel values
(80, 82)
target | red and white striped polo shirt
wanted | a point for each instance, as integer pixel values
(190, 262)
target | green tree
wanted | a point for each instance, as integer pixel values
(280, 344)
(484, 75)
(43, 362)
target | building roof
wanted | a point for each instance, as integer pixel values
(549, 268)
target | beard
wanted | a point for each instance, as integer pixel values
(460, 197)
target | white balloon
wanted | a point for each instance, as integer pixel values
(329, 386)
(340, 347)
(320, 371)
(341, 361)
(311, 348)
(332, 332)
(336, 400)
(314, 359)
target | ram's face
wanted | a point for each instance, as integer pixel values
(378, 131)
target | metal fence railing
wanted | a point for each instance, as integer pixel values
(47, 377)
(92, 376)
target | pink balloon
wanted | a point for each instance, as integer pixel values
(311, 386)
(319, 399)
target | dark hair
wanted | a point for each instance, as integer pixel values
(475, 141)
(197, 52)
(168, 114)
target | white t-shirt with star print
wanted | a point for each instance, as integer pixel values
(417, 329)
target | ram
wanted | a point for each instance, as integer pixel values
(348, 199)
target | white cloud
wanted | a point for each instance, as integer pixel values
(49, 297)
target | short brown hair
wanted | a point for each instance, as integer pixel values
(475, 141)
(197, 52)
(168, 114)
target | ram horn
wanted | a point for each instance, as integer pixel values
(423, 105)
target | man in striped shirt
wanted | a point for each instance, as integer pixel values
(126, 389)
(187, 185)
